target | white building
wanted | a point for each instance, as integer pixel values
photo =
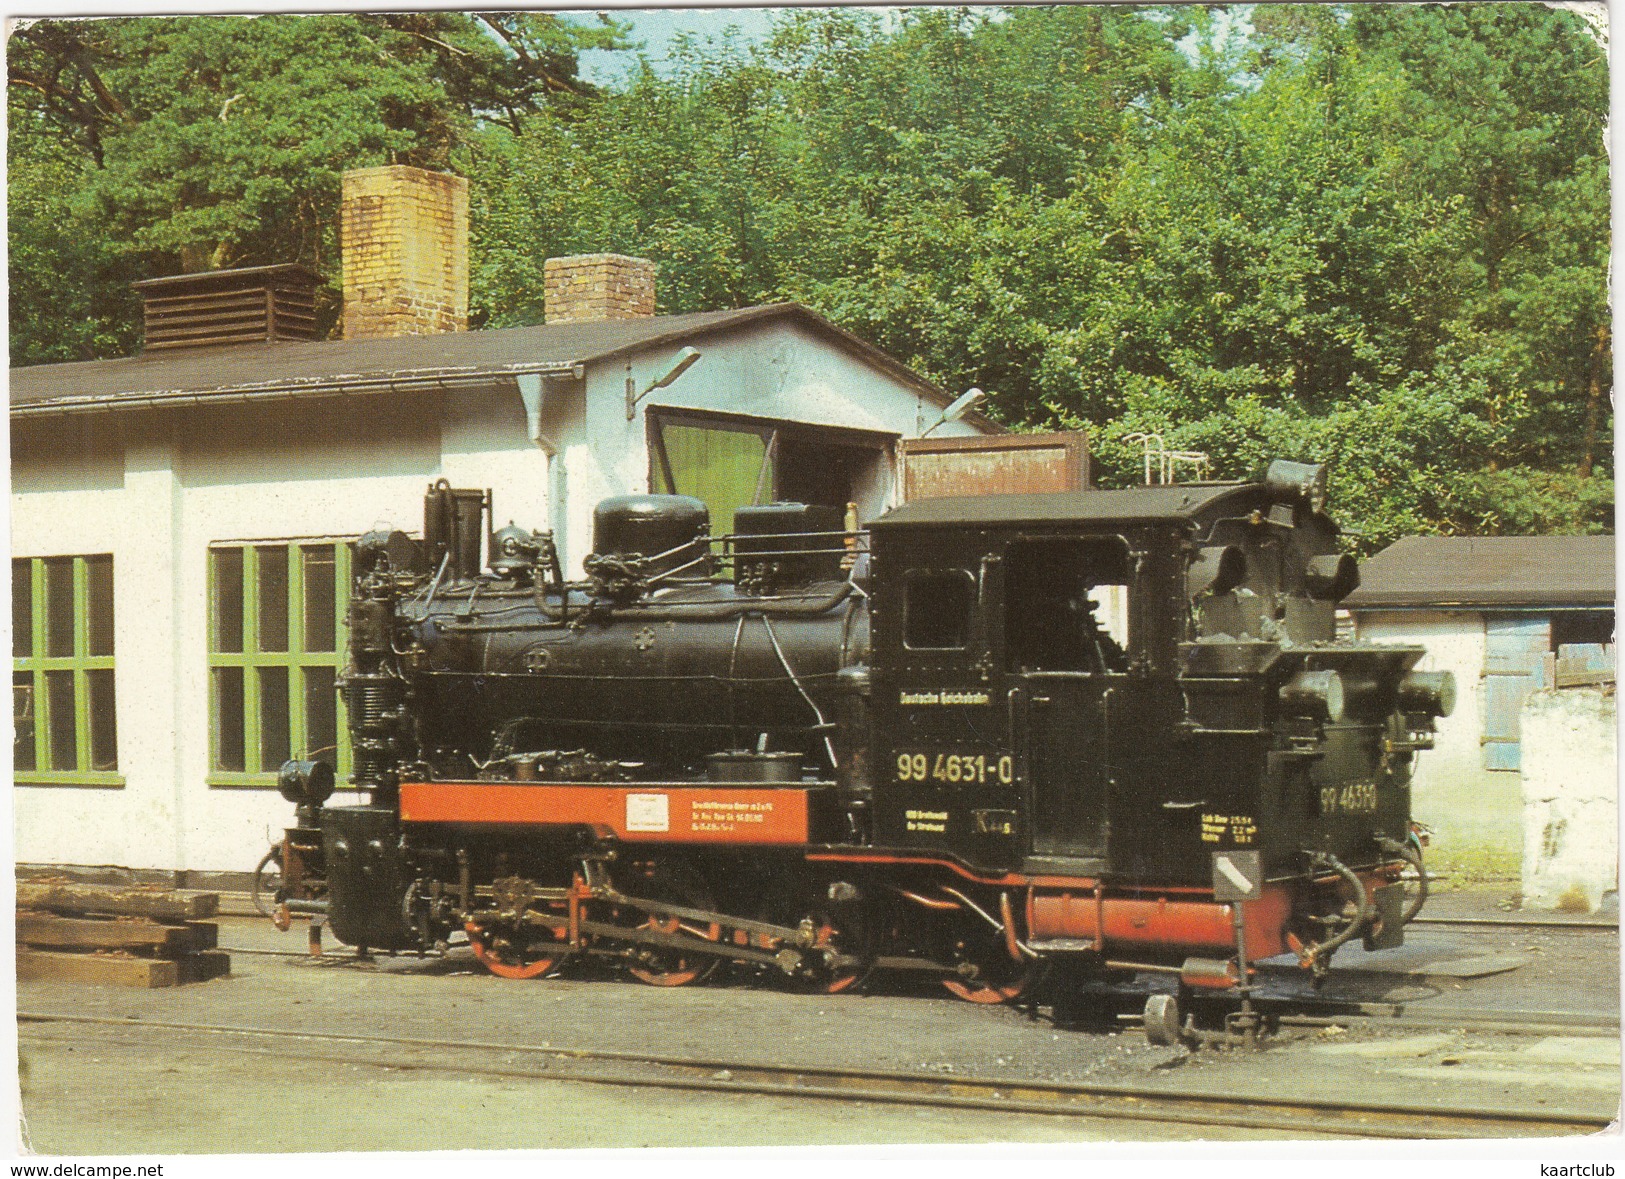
(179, 518)
(1503, 614)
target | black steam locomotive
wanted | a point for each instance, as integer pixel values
(990, 740)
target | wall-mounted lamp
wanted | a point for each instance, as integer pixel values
(961, 406)
(685, 358)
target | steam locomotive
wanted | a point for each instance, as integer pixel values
(989, 740)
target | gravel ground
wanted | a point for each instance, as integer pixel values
(183, 1096)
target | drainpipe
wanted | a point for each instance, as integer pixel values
(531, 393)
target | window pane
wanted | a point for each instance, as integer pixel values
(99, 588)
(936, 614)
(319, 590)
(273, 717)
(59, 609)
(228, 599)
(23, 711)
(273, 598)
(228, 718)
(22, 609)
(103, 722)
(321, 715)
(59, 705)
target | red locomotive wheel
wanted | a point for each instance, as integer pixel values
(505, 963)
(852, 942)
(973, 992)
(662, 966)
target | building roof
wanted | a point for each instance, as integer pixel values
(324, 367)
(1488, 571)
(1177, 502)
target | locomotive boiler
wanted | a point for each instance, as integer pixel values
(1003, 741)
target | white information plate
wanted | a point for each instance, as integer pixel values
(648, 812)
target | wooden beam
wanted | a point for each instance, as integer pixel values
(102, 969)
(202, 967)
(50, 931)
(81, 899)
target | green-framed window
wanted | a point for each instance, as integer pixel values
(276, 643)
(66, 727)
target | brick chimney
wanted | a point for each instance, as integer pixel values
(586, 288)
(404, 234)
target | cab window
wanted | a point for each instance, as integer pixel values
(1066, 604)
(937, 607)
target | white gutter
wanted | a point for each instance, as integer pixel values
(408, 381)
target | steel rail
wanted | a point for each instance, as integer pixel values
(1516, 923)
(1008, 1096)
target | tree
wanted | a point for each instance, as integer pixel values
(1372, 235)
(220, 141)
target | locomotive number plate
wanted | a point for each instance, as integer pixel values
(978, 768)
(1356, 798)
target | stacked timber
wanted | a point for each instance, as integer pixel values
(126, 937)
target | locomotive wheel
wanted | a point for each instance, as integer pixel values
(664, 966)
(978, 992)
(850, 938)
(504, 960)
(998, 979)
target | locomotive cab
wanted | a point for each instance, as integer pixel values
(1113, 686)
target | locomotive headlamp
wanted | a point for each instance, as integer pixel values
(305, 783)
(1217, 569)
(1314, 694)
(1305, 479)
(1428, 693)
(1331, 577)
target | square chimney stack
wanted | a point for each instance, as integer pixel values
(404, 236)
(589, 288)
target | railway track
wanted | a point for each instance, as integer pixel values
(1315, 1011)
(1137, 1103)
(1516, 923)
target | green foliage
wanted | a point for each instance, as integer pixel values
(1375, 236)
(204, 142)
(68, 286)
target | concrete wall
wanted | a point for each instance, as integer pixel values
(1570, 799)
(1476, 814)
(771, 370)
(268, 471)
(157, 489)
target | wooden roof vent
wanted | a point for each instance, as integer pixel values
(250, 305)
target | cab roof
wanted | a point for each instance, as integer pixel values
(1143, 504)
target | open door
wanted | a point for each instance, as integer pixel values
(995, 464)
(1065, 664)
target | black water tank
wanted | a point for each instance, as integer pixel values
(650, 525)
(786, 545)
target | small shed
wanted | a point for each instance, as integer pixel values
(1508, 615)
